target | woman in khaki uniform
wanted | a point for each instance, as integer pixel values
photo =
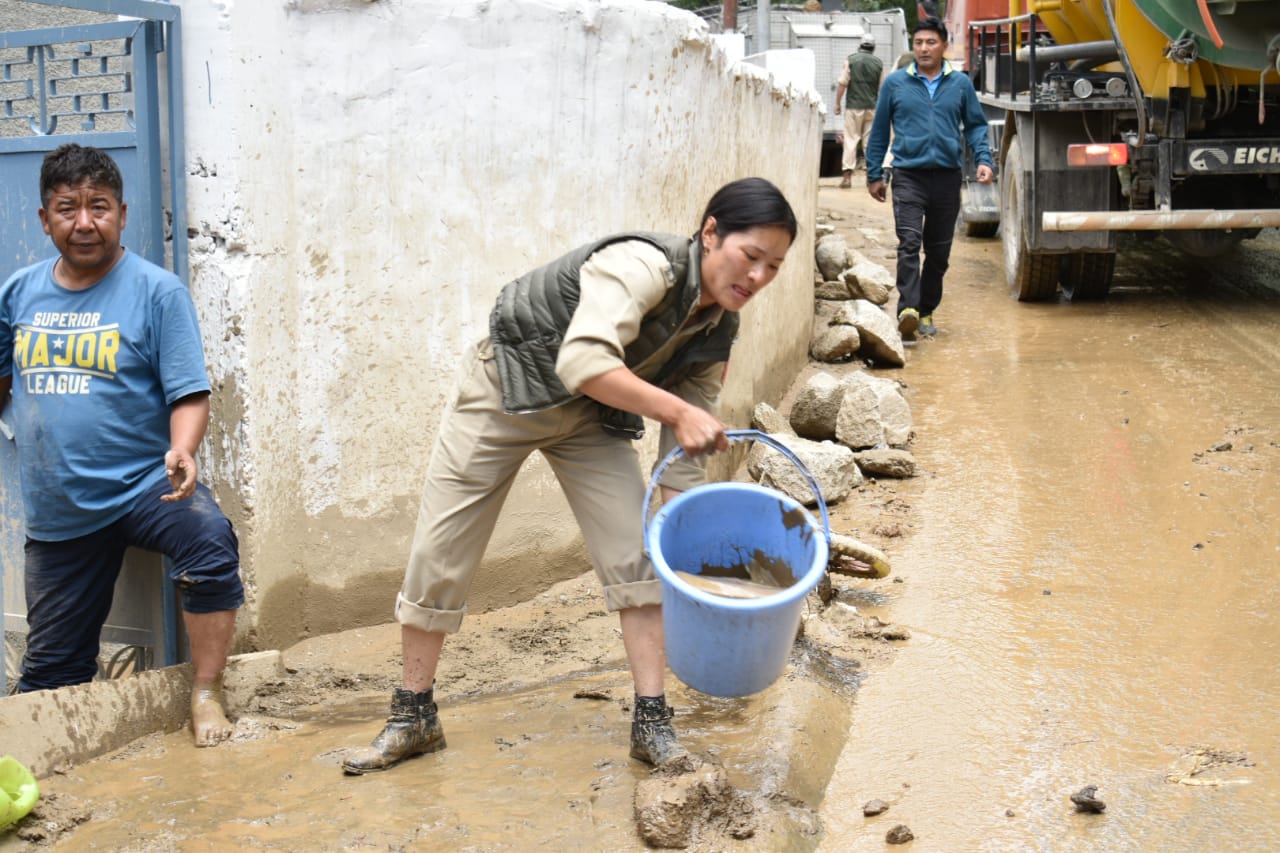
(631, 326)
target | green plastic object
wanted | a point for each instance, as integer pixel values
(18, 791)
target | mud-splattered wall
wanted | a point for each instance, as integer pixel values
(363, 178)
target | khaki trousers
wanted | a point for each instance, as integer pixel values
(857, 127)
(477, 453)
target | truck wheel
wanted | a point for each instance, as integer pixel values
(1032, 276)
(1087, 275)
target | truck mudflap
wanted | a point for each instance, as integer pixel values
(1159, 220)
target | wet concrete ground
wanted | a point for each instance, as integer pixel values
(535, 702)
(1092, 581)
(530, 769)
(1088, 575)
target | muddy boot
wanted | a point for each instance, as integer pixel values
(652, 737)
(413, 728)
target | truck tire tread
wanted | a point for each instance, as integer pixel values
(1032, 276)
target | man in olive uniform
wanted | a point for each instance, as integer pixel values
(856, 95)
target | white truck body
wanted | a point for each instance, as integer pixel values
(832, 36)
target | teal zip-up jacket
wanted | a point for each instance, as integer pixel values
(926, 131)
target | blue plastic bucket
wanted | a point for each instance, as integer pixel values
(734, 646)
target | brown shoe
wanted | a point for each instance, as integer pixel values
(653, 739)
(847, 180)
(413, 728)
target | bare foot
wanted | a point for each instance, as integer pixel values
(208, 714)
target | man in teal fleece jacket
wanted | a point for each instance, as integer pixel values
(927, 104)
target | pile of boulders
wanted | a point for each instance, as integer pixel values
(842, 429)
(848, 318)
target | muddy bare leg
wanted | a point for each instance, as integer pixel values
(642, 638)
(421, 652)
(210, 635)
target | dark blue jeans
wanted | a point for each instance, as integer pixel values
(69, 584)
(926, 203)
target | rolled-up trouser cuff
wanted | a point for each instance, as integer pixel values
(230, 596)
(638, 594)
(427, 618)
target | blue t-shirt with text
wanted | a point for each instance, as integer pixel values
(94, 374)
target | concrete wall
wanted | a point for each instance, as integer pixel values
(364, 176)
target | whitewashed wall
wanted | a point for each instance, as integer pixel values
(364, 176)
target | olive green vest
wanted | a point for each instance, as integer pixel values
(532, 314)
(865, 69)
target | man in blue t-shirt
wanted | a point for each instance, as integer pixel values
(102, 353)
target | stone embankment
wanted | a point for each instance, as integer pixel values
(857, 425)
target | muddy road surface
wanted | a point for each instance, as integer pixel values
(1084, 587)
(1091, 575)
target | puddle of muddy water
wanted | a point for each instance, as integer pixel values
(1092, 589)
(534, 769)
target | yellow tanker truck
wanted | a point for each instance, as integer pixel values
(1125, 115)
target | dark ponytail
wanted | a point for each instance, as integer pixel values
(749, 203)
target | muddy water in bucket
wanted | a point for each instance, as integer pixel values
(748, 539)
(757, 578)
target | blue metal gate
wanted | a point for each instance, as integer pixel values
(94, 84)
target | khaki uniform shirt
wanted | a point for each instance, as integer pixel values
(618, 286)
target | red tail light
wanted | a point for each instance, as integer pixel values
(1098, 154)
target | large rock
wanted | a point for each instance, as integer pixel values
(886, 462)
(831, 465)
(665, 810)
(891, 405)
(693, 804)
(835, 338)
(768, 419)
(867, 280)
(832, 256)
(671, 810)
(813, 414)
(879, 333)
(873, 413)
(832, 290)
(857, 422)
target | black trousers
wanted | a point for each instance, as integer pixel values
(69, 584)
(926, 203)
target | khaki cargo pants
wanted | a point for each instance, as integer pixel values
(857, 128)
(478, 451)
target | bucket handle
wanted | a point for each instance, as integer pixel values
(742, 435)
